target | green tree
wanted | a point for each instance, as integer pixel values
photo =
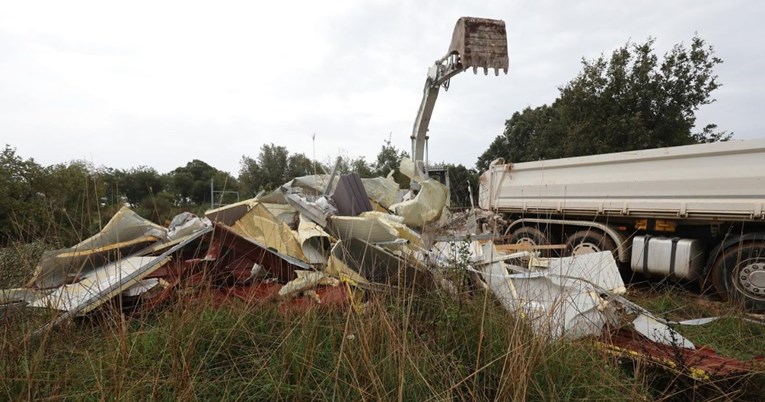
(274, 162)
(459, 179)
(191, 183)
(626, 102)
(360, 166)
(61, 203)
(249, 176)
(161, 208)
(142, 182)
(346, 165)
(73, 193)
(269, 171)
(273, 167)
(298, 165)
(182, 183)
(532, 134)
(389, 159)
(114, 185)
(227, 183)
(22, 206)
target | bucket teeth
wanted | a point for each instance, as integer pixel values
(480, 42)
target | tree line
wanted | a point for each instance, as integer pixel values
(66, 202)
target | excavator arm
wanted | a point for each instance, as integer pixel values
(476, 42)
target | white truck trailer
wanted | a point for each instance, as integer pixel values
(695, 212)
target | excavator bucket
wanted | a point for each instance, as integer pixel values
(480, 42)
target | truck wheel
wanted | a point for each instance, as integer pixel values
(589, 241)
(528, 235)
(739, 275)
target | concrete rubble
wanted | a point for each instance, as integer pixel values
(331, 243)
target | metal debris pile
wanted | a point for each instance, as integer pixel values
(314, 241)
(317, 242)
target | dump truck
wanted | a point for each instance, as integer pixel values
(691, 213)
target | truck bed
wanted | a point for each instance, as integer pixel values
(724, 180)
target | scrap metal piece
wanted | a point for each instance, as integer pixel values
(495, 276)
(114, 287)
(350, 196)
(599, 269)
(314, 185)
(21, 295)
(230, 250)
(699, 364)
(328, 190)
(375, 227)
(259, 224)
(370, 229)
(660, 332)
(397, 222)
(125, 233)
(145, 286)
(306, 280)
(228, 214)
(426, 207)
(376, 264)
(284, 213)
(562, 311)
(274, 196)
(185, 224)
(123, 226)
(429, 203)
(314, 241)
(317, 211)
(382, 190)
(99, 285)
(561, 301)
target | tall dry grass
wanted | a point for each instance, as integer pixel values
(400, 346)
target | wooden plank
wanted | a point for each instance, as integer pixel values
(504, 248)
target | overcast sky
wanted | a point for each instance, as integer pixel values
(159, 84)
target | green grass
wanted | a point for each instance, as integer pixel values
(732, 335)
(17, 262)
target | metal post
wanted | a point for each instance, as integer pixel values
(332, 176)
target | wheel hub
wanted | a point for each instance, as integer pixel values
(751, 278)
(757, 279)
(585, 248)
(526, 241)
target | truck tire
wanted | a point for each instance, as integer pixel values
(738, 275)
(589, 241)
(529, 235)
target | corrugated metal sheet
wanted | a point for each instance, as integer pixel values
(350, 196)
